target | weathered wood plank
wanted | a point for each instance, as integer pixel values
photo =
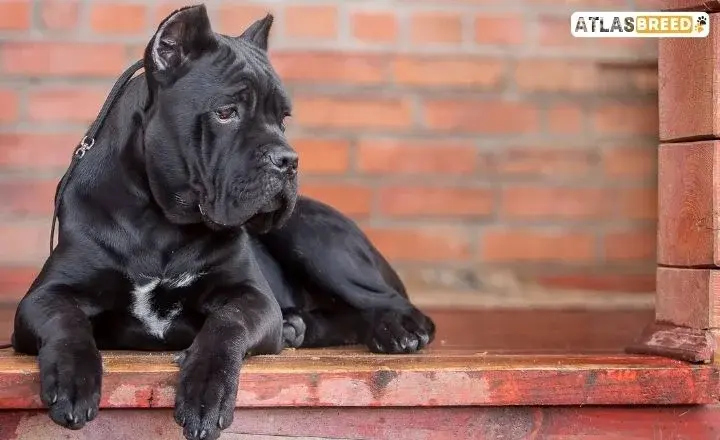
(689, 101)
(688, 297)
(683, 343)
(357, 378)
(488, 423)
(690, 5)
(687, 204)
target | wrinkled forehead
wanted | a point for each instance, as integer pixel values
(234, 67)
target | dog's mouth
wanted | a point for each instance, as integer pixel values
(209, 222)
(272, 214)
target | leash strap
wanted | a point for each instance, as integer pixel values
(88, 141)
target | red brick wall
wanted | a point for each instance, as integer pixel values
(465, 136)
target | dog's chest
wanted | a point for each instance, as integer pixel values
(157, 301)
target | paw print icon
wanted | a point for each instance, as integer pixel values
(700, 24)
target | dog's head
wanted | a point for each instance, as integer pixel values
(215, 147)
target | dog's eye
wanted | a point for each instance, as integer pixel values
(226, 113)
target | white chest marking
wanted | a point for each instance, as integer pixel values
(143, 310)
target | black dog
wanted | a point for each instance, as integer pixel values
(181, 229)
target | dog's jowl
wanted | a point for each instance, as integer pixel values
(181, 229)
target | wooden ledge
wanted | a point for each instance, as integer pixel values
(352, 378)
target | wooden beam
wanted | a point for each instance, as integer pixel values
(688, 227)
(345, 377)
(687, 311)
(488, 423)
(689, 87)
(688, 297)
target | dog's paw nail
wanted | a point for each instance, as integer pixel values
(203, 434)
(71, 418)
(90, 414)
(53, 400)
(195, 433)
(221, 422)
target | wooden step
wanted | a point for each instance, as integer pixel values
(439, 377)
(468, 423)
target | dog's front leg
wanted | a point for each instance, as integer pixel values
(239, 321)
(49, 323)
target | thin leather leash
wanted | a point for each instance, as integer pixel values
(87, 142)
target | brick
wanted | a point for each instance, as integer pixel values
(374, 26)
(33, 151)
(448, 72)
(565, 119)
(554, 32)
(118, 18)
(536, 75)
(392, 157)
(489, 117)
(73, 105)
(636, 163)
(505, 245)
(234, 18)
(633, 245)
(636, 203)
(601, 4)
(60, 15)
(323, 156)
(646, 80)
(9, 102)
(429, 244)
(502, 30)
(535, 203)
(600, 282)
(350, 199)
(344, 112)
(628, 118)
(311, 22)
(427, 201)
(435, 28)
(15, 15)
(45, 59)
(340, 67)
(545, 163)
(16, 280)
(27, 197)
(24, 242)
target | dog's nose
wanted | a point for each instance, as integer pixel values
(284, 160)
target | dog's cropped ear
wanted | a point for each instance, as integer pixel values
(182, 36)
(259, 32)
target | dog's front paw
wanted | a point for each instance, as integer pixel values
(399, 331)
(205, 398)
(70, 382)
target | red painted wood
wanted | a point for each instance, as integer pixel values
(357, 378)
(683, 343)
(486, 423)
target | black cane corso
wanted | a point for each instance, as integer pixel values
(181, 229)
